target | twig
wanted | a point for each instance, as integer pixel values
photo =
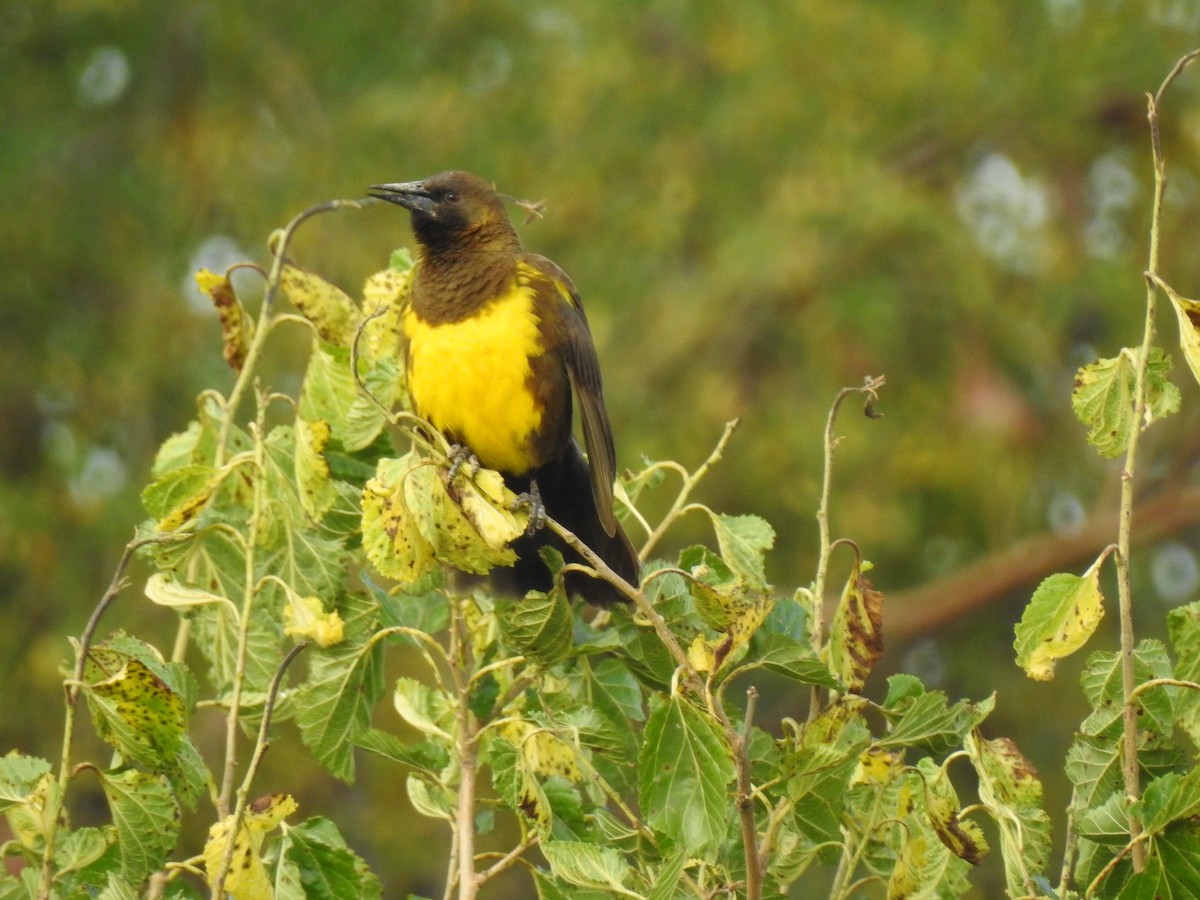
(465, 731)
(1129, 767)
(248, 594)
(741, 758)
(508, 858)
(689, 484)
(71, 690)
(870, 387)
(260, 748)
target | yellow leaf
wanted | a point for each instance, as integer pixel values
(317, 492)
(1061, 616)
(701, 655)
(856, 637)
(487, 504)
(237, 328)
(384, 292)
(544, 753)
(246, 878)
(877, 766)
(305, 617)
(962, 837)
(1188, 313)
(391, 539)
(327, 306)
(906, 877)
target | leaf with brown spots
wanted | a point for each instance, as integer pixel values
(856, 636)
(237, 328)
(247, 877)
(326, 305)
(1062, 615)
(963, 837)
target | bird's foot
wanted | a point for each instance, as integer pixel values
(532, 501)
(460, 456)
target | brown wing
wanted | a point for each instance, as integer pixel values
(579, 355)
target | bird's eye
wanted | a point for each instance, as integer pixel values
(453, 196)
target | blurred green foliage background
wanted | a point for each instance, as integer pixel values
(760, 202)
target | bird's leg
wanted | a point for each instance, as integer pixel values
(532, 499)
(461, 455)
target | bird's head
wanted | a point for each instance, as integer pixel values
(450, 209)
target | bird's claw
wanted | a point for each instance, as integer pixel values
(532, 501)
(460, 456)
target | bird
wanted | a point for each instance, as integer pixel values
(496, 342)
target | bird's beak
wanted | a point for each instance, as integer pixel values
(409, 194)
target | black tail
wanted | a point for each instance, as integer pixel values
(566, 490)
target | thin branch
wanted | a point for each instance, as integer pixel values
(508, 858)
(248, 594)
(71, 691)
(870, 387)
(689, 483)
(1129, 767)
(260, 748)
(465, 731)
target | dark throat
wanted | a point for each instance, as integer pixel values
(457, 278)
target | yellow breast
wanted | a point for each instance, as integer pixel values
(470, 379)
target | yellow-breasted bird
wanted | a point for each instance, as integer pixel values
(495, 340)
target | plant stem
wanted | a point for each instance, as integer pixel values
(870, 387)
(71, 690)
(1129, 767)
(239, 675)
(260, 748)
(685, 491)
(466, 730)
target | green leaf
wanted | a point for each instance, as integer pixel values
(180, 495)
(1102, 686)
(538, 626)
(1188, 314)
(612, 689)
(1168, 799)
(424, 708)
(331, 393)
(117, 888)
(743, 542)
(963, 837)
(425, 756)
(146, 817)
(925, 720)
(586, 865)
(684, 771)
(429, 796)
(786, 656)
(1062, 615)
(19, 777)
(328, 869)
(1183, 624)
(81, 847)
(1011, 791)
(1172, 872)
(1106, 824)
(1103, 398)
(344, 683)
(666, 880)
